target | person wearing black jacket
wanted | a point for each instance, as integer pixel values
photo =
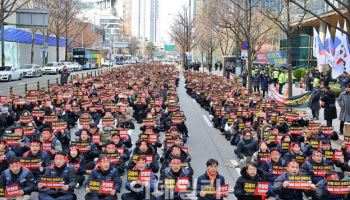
(59, 168)
(316, 161)
(275, 160)
(16, 174)
(281, 184)
(36, 153)
(322, 191)
(208, 182)
(170, 179)
(175, 151)
(293, 153)
(314, 102)
(92, 153)
(328, 103)
(104, 171)
(5, 155)
(250, 173)
(247, 146)
(143, 148)
(78, 163)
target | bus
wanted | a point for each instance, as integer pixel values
(119, 59)
(87, 58)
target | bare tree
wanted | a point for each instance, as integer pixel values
(62, 18)
(241, 17)
(182, 31)
(226, 40)
(282, 18)
(133, 46)
(150, 49)
(7, 8)
(71, 23)
(34, 4)
(56, 23)
(207, 38)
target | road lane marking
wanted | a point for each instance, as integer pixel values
(207, 121)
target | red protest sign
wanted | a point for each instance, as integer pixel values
(106, 187)
(182, 184)
(52, 182)
(12, 191)
(299, 182)
(262, 188)
(145, 176)
(338, 187)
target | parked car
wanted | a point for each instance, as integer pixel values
(77, 66)
(8, 73)
(52, 68)
(68, 64)
(107, 63)
(31, 70)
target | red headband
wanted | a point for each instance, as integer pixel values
(15, 163)
(104, 159)
(316, 153)
(175, 161)
(46, 132)
(110, 145)
(59, 156)
(35, 143)
(293, 164)
(73, 148)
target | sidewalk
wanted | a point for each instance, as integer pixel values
(296, 91)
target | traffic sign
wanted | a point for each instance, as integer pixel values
(244, 45)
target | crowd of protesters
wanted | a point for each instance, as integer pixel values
(283, 153)
(78, 134)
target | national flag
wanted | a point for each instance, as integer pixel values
(339, 54)
(347, 50)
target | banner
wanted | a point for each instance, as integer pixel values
(82, 146)
(299, 101)
(31, 164)
(321, 170)
(52, 182)
(278, 58)
(338, 187)
(299, 182)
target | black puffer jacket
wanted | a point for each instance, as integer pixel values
(284, 193)
(247, 148)
(245, 178)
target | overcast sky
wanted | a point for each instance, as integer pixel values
(167, 10)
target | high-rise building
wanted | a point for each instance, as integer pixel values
(154, 21)
(198, 6)
(124, 10)
(145, 19)
(103, 13)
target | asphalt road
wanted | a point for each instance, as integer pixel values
(19, 85)
(204, 142)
